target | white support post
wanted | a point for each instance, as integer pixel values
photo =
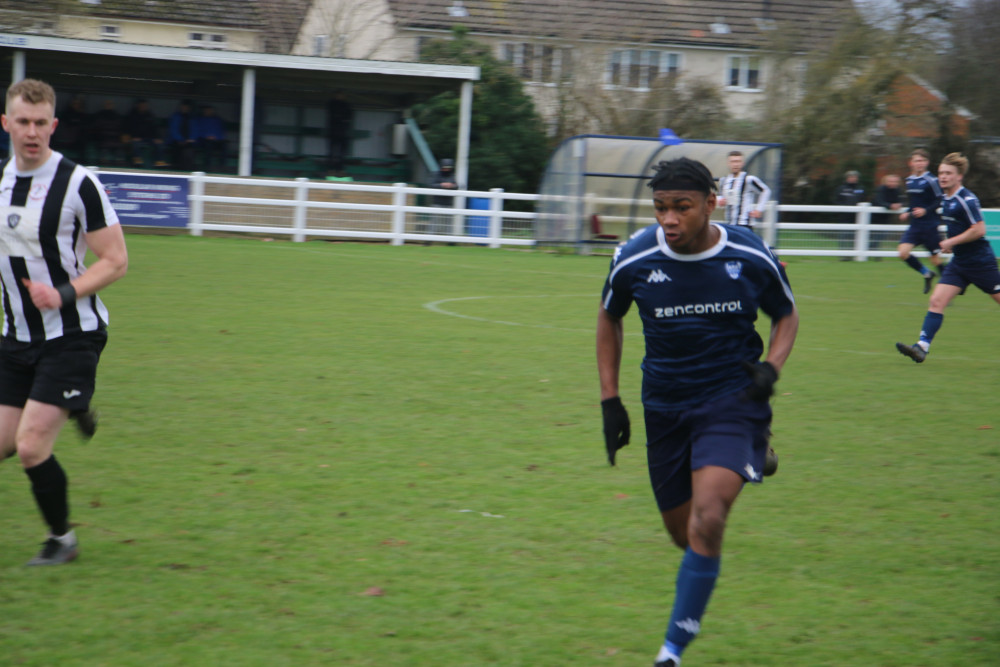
(770, 224)
(462, 158)
(18, 67)
(246, 121)
(496, 217)
(863, 220)
(398, 213)
(196, 189)
(301, 209)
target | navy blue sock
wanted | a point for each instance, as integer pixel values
(915, 264)
(50, 488)
(695, 581)
(932, 322)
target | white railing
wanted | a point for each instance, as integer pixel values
(302, 209)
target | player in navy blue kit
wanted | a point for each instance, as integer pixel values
(973, 262)
(698, 287)
(924, 195)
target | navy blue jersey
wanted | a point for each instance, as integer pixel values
(960, 211)
(924, 192)
(698, 311)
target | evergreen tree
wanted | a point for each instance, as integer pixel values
(508, 147)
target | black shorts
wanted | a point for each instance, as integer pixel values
(59, 372)
(729, 432)
(986, 277)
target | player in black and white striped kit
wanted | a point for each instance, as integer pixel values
(743, 195)
(54, 325)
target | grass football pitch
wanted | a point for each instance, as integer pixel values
(357, 454)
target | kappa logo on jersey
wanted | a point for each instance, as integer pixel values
(734, 269)
(618, 253)
(658, 276)
(12, 220)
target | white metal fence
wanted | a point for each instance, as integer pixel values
(400, 213)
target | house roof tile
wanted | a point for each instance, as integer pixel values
(729, 23)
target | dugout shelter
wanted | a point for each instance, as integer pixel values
(594, 186)
(276, 103)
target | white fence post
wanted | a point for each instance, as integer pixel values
(771, 224)
(301, 202)
(863, 219)
(196, 190)
(398, 213)
(496, 216)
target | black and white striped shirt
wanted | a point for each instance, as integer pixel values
(744, 193)
(44, 214)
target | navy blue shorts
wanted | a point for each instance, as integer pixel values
(729, 432)
(986, 278)
(61, 371)
(922, 234)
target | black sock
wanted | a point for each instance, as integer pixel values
(50, 487)
(914, 264)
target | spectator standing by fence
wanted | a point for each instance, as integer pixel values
(889, 196)
(850, 193)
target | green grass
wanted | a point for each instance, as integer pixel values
(287, 427)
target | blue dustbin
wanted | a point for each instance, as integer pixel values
(478, 225)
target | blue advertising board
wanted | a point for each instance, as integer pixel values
(148, 200)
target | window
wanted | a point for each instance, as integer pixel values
(110, 33)
(206, 40)
(743, 73)
(639, 69)
(539, 63)
(321, 43)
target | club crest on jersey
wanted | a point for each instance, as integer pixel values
(658, 276)
(734, 269)
(12, 220)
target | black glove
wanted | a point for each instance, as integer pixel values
(763, 376)
(617, 428)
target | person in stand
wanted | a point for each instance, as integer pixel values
(924, 194)
(183, 137)
(706, 381)
(211, 135)
(55, 324)
(340, 125)
(850, 193)
(74, 138)
(888, 196)
(743, 195)
(973, 261)
(108, 130)
(142, 132)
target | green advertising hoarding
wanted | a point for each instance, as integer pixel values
(992, 220)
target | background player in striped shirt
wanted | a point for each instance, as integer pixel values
(54, 326)
(923, 194)
(974, 260)
(743, 195)
(698, 287)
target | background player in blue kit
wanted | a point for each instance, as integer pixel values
(924, 194)
(698, 286)
(973, 262)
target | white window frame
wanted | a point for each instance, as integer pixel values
(543, 64)
(207, 40)
(748, 74)
(110, 32)
(631, 68)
